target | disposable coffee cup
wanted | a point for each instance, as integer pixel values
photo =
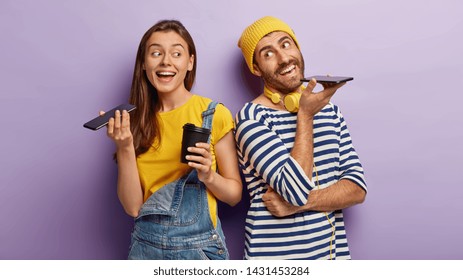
(192, 135)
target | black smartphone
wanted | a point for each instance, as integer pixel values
(103, 120)
(328, 79)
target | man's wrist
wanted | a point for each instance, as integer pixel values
(304, 116)
(309, 205)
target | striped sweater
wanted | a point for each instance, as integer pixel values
(265, 138)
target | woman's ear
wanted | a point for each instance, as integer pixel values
(191, 62)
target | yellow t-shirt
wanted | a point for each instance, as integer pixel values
(162, 166)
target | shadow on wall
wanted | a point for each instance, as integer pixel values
(114, 225)
(252, 83)
(233, 221)
(234, 218)
(119, 226)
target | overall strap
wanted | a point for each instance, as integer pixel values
(208, 115)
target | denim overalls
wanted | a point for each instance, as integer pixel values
(175, 223)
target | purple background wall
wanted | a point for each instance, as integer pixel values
(63, 61)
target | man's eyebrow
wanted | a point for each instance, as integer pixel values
(281, 40)
(284, 38)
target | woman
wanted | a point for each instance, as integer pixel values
(174, 204)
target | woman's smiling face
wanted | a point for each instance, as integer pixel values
(167, 61)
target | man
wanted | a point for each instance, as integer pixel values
(296, 154)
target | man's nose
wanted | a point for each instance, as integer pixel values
(283, 57)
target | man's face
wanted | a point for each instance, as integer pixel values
(278, 60)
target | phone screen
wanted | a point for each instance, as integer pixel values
(103, 120)
(328, 79)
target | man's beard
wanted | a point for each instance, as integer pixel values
(285, 87)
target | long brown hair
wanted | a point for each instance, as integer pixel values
(144, 121)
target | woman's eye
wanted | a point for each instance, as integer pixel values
(156, 53)
(176, 54)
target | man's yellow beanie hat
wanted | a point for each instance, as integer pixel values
(256, 31)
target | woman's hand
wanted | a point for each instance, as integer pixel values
(119, 129)
(225, 184)
(201, 162)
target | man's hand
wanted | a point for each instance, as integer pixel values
(312, 102)
(276, 205)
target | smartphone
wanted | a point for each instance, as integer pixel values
(103, 120)
(328, 79)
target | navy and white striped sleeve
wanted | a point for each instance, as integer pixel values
(263, 151)
(350, 166)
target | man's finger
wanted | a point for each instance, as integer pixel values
(311, 85)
